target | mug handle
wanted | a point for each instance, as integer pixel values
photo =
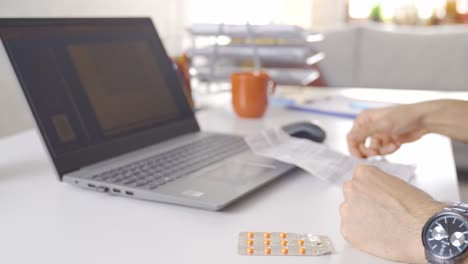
(272, 87)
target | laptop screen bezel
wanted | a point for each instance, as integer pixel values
(185, 123)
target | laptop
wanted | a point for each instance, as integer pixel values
(114, 116)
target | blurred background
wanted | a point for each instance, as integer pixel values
(173, 16)
(398, 44)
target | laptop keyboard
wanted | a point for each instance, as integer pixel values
(165, 167)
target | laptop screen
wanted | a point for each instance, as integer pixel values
(97, 87)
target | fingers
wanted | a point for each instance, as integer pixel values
(383, 145)
(356, 137)
(366, 125)
(372, 174)
(347, 188)
(354, 144)
(377, 125)
(344, 213)
(367, 152)
(363, 173)
(389, 148)
(380, 144)
(373, 183)
(368, 183)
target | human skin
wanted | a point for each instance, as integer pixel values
(388, 128)
(381, 214)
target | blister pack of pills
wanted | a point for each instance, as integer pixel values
(283, 244)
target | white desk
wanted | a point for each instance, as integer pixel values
(44, 221)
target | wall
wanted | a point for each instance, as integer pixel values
(317, 14)
(168, 15)
(328, 13)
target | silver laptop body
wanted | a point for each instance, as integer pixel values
(114, 117)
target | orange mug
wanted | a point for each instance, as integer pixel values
(250, 92)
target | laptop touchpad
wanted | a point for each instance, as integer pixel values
(225, 180)
(240, 171)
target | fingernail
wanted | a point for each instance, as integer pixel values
(389, 148)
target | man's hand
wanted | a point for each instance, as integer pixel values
(384, 216)
(387, 128)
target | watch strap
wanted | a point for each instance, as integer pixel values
(461, 208)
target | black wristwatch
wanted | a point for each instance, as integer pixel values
(445, 235)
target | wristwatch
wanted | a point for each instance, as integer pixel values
(445, 235)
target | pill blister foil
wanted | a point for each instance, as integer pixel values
(283, 244)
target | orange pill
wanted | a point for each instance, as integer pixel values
(250, 242)
(267, 242)
(250, 250)
(267, 251)
(266, 235)
(302, 251)
(284, 242)
(283, 235)
(284, 251)
(250, 234)
(300, 242)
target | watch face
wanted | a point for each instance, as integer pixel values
(446, 235)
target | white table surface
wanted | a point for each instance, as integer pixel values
(44, 221)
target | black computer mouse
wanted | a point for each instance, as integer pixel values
(306, 130)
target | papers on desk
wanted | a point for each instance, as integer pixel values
(336, 106)
(317, 159)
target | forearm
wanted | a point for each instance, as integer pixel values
(445, 117)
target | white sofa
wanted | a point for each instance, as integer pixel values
(377, 56)
(433, 58)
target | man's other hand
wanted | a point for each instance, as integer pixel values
(383, 215)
